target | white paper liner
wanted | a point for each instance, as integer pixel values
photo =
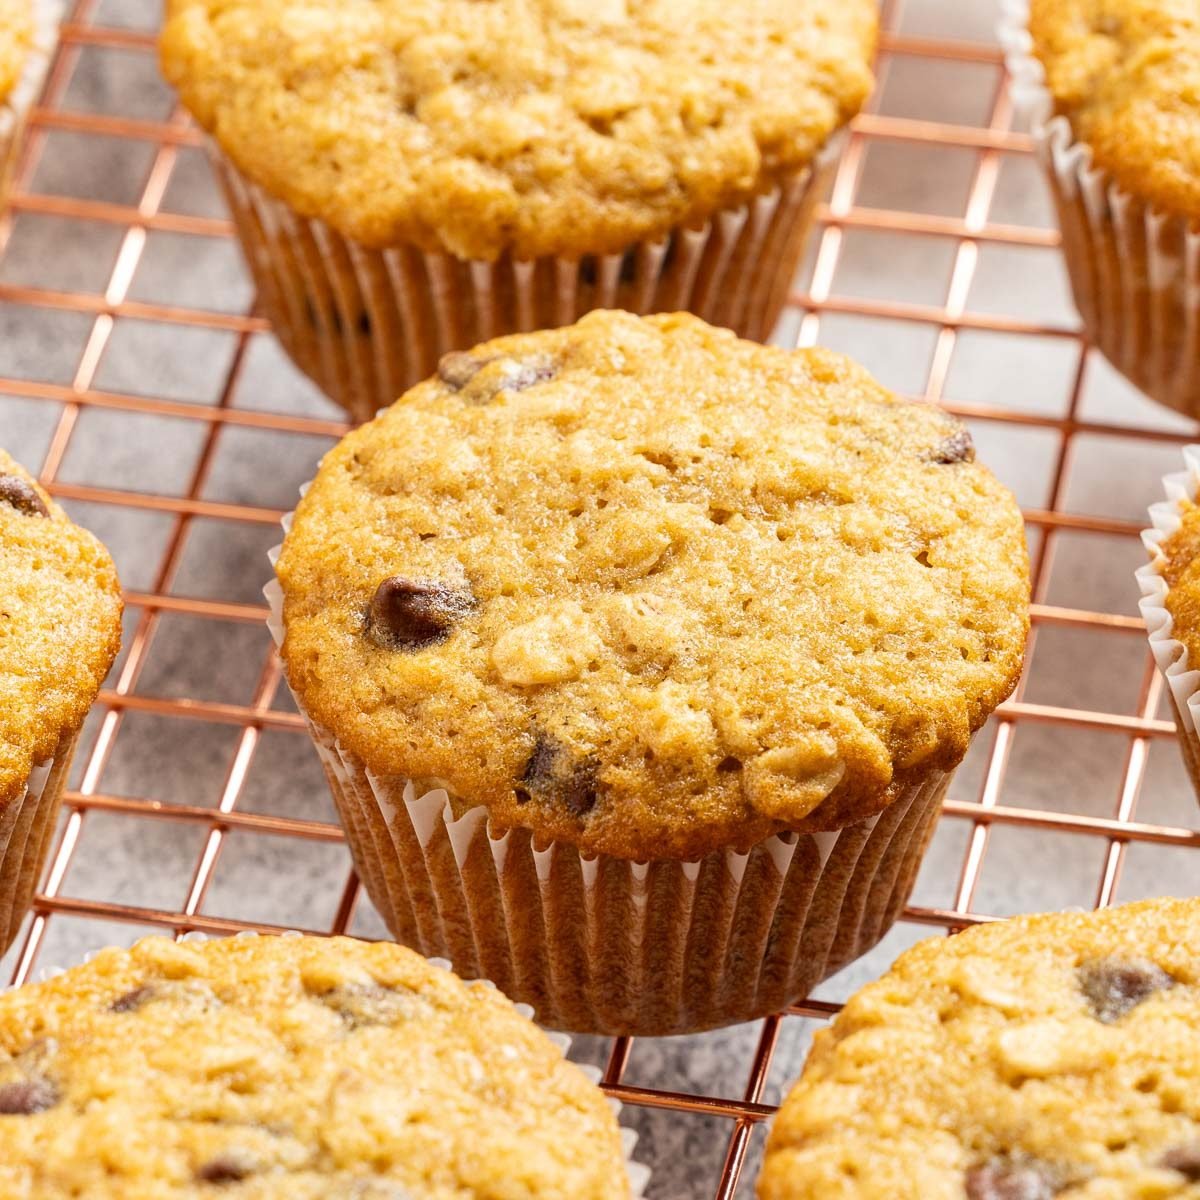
(1171, 655)
(603, 945)
(26, 831)
(15, 108)
(1135, 271)
(366, 324)
(639, 1173)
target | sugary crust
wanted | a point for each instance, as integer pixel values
(707, 590)
(1126, 74)
(290, 1069)
(992, 1053)
(60, 629)
(16, 41)
(540, 127)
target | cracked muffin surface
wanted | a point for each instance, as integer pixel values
(290, 1069)
(533, 126)
(1048, 1056)
(1126, 75)
(60, 625)
(16, 42)
(654, 591)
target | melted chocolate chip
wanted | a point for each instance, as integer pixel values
(1185, 1160)
(1010, 1181)
(26, 1097)
(410, 614)
(458, 368)
(957, 448)
(131, 1001)
(20, 494)
(1114, 986)
(225, 1168)
(553, 773)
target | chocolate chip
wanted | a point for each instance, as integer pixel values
(410, 614)
(20, 494)
(957, 448)
(1010, 1181)
(225, 1168)
(362, 1004)
(26, 1097)
(131, 1001)
(1114, 986)
(1185, 1160)
(555, 774)
(458, 368)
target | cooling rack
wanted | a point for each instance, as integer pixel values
(136, 377)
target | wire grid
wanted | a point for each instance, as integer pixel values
(105, 308)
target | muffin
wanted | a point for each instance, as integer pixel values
(60, 629)
(24, 38)
(639, 658)
(1170, 603)
(1049, 1056)
(408, 180)
(1112, 87)
(289, 1068)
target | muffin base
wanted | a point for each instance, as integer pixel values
(14, 112)
(365, 325)
(1171, 655)
(608, 946)
(1135, 271)
(26, 831)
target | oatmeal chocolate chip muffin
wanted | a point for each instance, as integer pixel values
(60, 629)
(290, 1069)
(652, 595)
(410, 178)
(1049, 1056)
(1114, 86)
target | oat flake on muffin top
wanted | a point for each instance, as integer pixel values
(1126, 75)
(653, 590)
(16, 40)
(284, 1068)
(60, 625)
(537, 126)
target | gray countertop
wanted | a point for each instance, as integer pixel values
(124, 855)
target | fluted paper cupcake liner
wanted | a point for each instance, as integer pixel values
(26, 831)
(1171, 655)
(1135, 271)
(609, 946)
(367, 324)
(14, 111)
(639, 1173)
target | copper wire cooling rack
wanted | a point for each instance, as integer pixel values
(113, 236)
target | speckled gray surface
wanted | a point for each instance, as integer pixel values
(293, 882)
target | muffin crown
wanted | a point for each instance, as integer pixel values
(291, 1068)
(16, 41)
(1126, 75)
(652, 590)
(563, 127)
(1052, 1055)
(60, 625)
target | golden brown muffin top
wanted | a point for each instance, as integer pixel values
(290, 1069)
(1050, 1056)
(536, 126)
(652, 590)
(1126, 74)
(60, 625)
(1180, 568)
(16, 40)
